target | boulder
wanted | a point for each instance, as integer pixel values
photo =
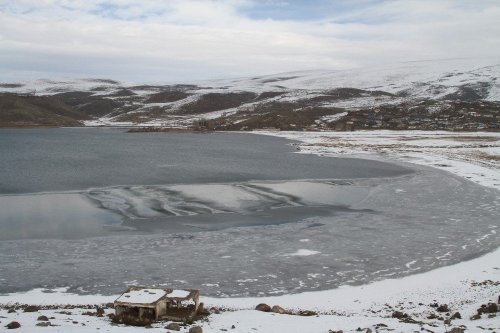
(196, 329)
(13, 325)
(173, 327)
(263, 307)
(307, 313)
(100, 312)
(42, 318)
(399, 315)
(278, 309)
(32, 308)
(44, 324)
(475, 317)
(443, 308)
(457, 330)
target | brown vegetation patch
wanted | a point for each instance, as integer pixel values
(217, 101)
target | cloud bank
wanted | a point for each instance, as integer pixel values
(184, 40)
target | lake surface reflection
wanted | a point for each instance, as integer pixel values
(59, 215)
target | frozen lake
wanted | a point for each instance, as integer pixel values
(231, 214)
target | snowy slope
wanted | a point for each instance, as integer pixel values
(472, 80)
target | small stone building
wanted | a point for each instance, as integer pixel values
(141, 305)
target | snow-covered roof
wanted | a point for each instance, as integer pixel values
(179, 294)
(142, 296)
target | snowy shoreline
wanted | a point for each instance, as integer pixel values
(464, 287)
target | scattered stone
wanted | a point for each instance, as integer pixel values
(381, 325)
(456, 315)
(263, 307)
(443, 308)
(110, 305)
(44, 324)
(399, 315)
(215, 310)
(278, 309)
(42, 318)
(332, 331)
(233, 327)
(368, 330)
(307, 313)
(32, 308)
(447, 321)
(196, 329)
(457, 330)
(11, 311)
(432, 316)
(173, 327)
(13, 325)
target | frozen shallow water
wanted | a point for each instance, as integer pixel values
(244, 235)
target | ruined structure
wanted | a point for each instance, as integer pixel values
(141, 305)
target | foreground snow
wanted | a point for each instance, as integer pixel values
(463, 287)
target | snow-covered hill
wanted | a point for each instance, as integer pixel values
(302, 98)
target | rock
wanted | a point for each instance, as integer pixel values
(173, 327)
(447, 321)
(100, 312)
(42, 318)
(399, 315)
(196, 329)
(233, 327)
(443, 308)
(332, 331)
(489, 308)
(110, 305)
(368, 330)
(432, 316)
(11, 311)
(457, 330)
(307, 313)
(278, 309)
(263, 307)
(456, 315)
(215, 310)
(475, 317)
(44, 324)
(492, 308)
(13, 325)
(32, 308)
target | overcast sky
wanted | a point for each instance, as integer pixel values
(183, 40)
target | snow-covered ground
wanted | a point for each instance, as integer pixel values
(472, 155)
(463, 287)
